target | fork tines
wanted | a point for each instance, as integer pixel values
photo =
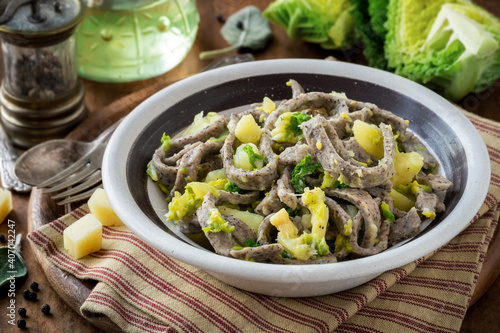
(83, 177)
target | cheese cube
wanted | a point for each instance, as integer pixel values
(5, 203)
(99, 207)
(83, 237)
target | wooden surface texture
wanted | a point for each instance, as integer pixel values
(109, 102)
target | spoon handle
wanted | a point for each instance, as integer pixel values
(8, 158)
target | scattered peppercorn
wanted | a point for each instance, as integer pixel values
(21, 323)
(34, 286)
(26, 294)
(22, 312)
(220, 18)
(46, 309)
(2, 238)
(239, 25)
(32, 296)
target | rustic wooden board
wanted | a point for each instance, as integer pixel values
(43, 210)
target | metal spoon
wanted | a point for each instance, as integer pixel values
(47, 159)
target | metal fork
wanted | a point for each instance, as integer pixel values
(84, 174)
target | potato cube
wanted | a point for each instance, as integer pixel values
(281, 220)
(247, 130)
(5, 204)
(369, 137)
(83, 237)
(268, 105)
(215, 175)
(99, 207)
(406, 165)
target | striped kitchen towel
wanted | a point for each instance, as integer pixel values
(142, 290)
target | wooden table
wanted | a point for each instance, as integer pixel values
(481, 317)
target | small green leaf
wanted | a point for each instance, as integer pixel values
(245, 28)
(11, 263)
(252, 156)
(230, 187)
(295, 121)
(304, 168)
(251, 243)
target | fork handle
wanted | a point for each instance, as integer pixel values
(8, 158)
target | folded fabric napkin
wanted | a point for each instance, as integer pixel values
(142, 290)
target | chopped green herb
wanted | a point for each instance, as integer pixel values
(292, 212)
(339, 184)
(251, 243)
(304, 168)
(252, 156)
(286, 255)
(230, 187)
(295, 121)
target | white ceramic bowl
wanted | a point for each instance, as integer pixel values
(444, 130)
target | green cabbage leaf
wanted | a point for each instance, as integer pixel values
(329, 23)
(451, 46)
(370, 17)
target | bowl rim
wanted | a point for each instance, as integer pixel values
(116, 159)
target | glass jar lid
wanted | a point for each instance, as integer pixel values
(38, 23)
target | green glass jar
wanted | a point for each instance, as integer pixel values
(127, 40)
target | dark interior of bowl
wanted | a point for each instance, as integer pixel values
(433, 130)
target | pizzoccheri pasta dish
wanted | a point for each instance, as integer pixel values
(319, 178)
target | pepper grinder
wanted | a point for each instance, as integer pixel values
(41, 97)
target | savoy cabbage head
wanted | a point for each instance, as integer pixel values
(451, 46)
(325, 22)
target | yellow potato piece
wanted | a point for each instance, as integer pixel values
(369, 137)
(251, 219)
(401, 201)
(247, 130)
(5, 204)
(99, 206)
(242, 160)
(215, 175)
(281, 220)
(407, 165)
(83, 237)
(268, 105)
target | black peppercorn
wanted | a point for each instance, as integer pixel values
(33, 296)
(220, 18)
(2, 238)
(46, 309)
(21, 323)
(22, 312)
(26, 294)
(239, 25)
(34, 286)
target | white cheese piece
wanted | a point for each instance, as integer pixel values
(83, 237)
(99, 207)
